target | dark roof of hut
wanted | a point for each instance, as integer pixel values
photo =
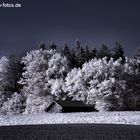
(72, 103)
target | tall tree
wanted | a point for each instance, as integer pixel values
(101, 82)
(137, 57)
(118, 52)
(73, 59)
(87, 54)
(66, 50)
(94, 53)
(13, 73)
(69, 55)
(137, 53)
(104, 52)
(3, 70)
(56, 73)
(53, 46)
(4, 61)
(79, 54)
(42, 46)
(35, 84)
(77, 46)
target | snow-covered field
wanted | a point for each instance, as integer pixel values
(63, 118)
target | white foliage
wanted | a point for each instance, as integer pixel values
(55, 74)
(99, 82)
(74, 85)
(14, 105)
(35, 83)
(56, 88)
(34, 77)
(37, 104)
(44, 75)
(3, 69)
(57, 66)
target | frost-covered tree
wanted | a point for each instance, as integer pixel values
(74, 85)
(110, 85)
(34, 81)
(34, 78)
(44, 74)
(99, 82)
(3, 70)
(10, 72)
(55, 74)
(37, 104)
(14, 105)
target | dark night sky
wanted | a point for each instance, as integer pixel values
(93, 22)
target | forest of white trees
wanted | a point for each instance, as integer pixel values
(104, 78)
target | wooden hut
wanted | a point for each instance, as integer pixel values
(69, 106)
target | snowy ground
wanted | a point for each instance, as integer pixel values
(61, 118)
